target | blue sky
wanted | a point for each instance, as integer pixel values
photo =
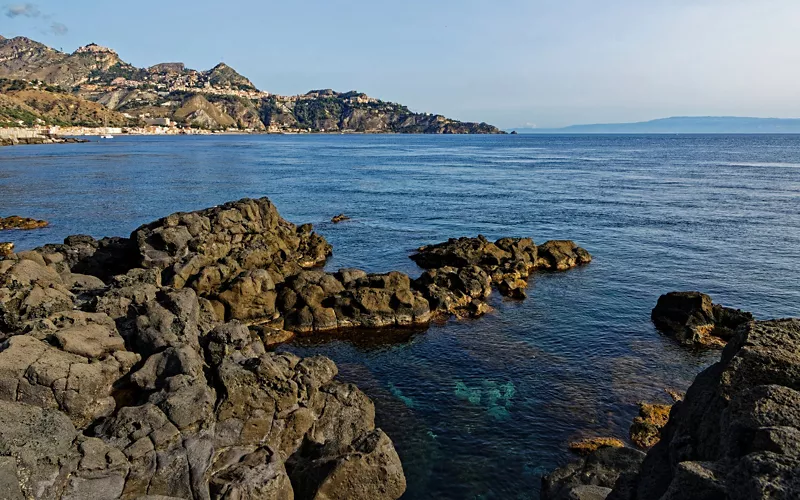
(508, 62)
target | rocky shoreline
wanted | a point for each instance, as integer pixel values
(43, 139)
(735, 435)
(139, 368)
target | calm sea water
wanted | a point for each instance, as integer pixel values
(479, 408)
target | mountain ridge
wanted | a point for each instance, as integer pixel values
(682, 125)
(217, 99)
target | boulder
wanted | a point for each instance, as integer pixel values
(207, 249)
(368, 470)
(39, 443)
(6, 248)
(259, 475)
(30, 291)
(35, 373)
(560, 255)
(692, 319)
(453, 290)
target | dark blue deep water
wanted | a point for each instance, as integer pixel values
(479, 408)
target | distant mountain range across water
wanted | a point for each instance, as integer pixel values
(681, 125)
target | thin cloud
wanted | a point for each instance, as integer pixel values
(32, 11)
(22, 9)
(59, 29)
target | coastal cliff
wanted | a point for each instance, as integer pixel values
(93, 86)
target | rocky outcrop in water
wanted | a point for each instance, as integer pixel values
(16, 222)
(139, 367)
(692, 319)
(131, 385)
(460, 271)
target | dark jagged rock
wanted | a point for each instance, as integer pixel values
(24, 223)
(693, 319)
(340, 218)
(6, 248)
(593, 476)
(736, 435)
(460, 271)
(457, 290)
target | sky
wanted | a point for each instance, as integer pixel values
(511, 63)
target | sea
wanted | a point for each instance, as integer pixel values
(478, 409)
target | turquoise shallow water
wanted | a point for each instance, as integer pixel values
(479, 408)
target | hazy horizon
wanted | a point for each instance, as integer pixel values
(520, 64)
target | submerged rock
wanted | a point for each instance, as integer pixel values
(24, 223)
(692, 319)
(340, 218)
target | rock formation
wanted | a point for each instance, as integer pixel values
(592, 477)
(646, 428)
(735, 435)
(17, 222)
(460, 271)
(127, 385)
(693, 319)
(138, 367)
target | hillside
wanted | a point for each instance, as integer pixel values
(23, 104)
(683, 125)
(97, 79)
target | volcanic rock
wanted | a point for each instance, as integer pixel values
(646, 428)
(592, 476)
(318, 301)
(692, 319)
(25, 223)
(736, 435)
(460, 271)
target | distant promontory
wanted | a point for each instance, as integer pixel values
(682, 125)
(94, 87)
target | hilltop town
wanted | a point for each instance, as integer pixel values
(93, 87)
